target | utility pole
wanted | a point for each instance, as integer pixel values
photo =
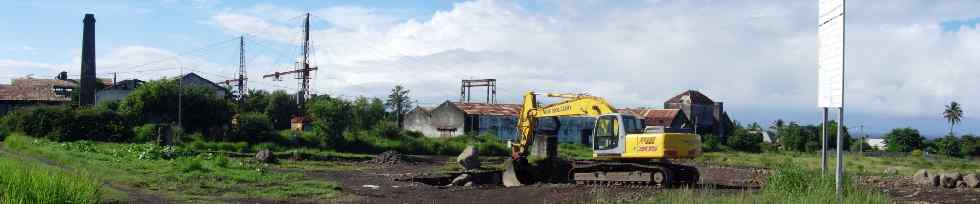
(303, 71)
(861, 144)
(242, 80)
(823, 144)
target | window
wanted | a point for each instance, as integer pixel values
(606, 132)
(632, 125)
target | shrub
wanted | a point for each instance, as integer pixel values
(744, 140)
(252, 127)
(3, 133)
(903, 140)
(62, 123)
(145, 133)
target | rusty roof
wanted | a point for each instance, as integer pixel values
(661, 117)
(488, 109)
(691, 97)
(37, 93)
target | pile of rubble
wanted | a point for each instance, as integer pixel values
(946, 179)
(389, 158)
(470, 161)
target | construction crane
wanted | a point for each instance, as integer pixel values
(623, 154)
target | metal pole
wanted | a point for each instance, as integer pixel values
(840, 153)
(861, 144)
(823, 144)
(840, 114)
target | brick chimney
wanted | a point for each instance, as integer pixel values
(87, 80)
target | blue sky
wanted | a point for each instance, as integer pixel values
(905, 60)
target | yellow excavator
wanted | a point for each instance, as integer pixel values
(623, 154)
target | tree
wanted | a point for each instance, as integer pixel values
(256, 101)
(280, 108)
(367, 113)
(776, 126)
(745, 139)
(399, 103)
(254, 127)
(330, 116)
(903, 140)
(953, 114)
(969, 145)
(947, 145)
(155, 102)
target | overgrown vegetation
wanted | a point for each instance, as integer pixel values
(174, 171)
(789, 184)
(858, 165)
(62, 123)
(25, 182)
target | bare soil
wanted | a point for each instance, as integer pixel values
(903, 190)
(391, 183)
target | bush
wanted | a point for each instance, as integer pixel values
(62, 123)
(3, 133)
(145, 133)
(903, 140)
(744, 140)
(252, 127)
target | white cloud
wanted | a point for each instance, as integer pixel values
(20, 68)
(900, 62)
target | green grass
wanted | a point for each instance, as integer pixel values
(26, 182)
(574, 151)
(789, 184)
(175, 173)
(860, 165)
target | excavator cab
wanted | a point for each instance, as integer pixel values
(609, 134)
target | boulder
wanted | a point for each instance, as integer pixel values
(949, 180)
(923, 177)
(460, 180)
(265, 156)
(469, 158)
(470, 183)
(960, 184)
(971, 180)
(891, 171)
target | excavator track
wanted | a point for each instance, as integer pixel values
(659, 174)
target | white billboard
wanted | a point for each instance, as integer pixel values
(830, 54)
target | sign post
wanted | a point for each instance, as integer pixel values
(830, 26)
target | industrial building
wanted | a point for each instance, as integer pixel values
(451, 119)
(706, 115)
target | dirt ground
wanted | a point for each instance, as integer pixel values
(389, 184)
(903, 190)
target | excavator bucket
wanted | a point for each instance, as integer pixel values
(514, 172)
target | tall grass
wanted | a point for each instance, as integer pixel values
(789, 184)
(22, 182)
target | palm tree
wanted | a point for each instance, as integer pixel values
(953, 115)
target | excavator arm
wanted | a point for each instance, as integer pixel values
(573, 105)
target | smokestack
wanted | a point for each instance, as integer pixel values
(87, 80)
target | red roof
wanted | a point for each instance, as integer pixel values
(488, 109)
(654, 117)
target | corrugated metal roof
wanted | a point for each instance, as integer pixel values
(488, 109)
(654, 117)
(30, 89)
